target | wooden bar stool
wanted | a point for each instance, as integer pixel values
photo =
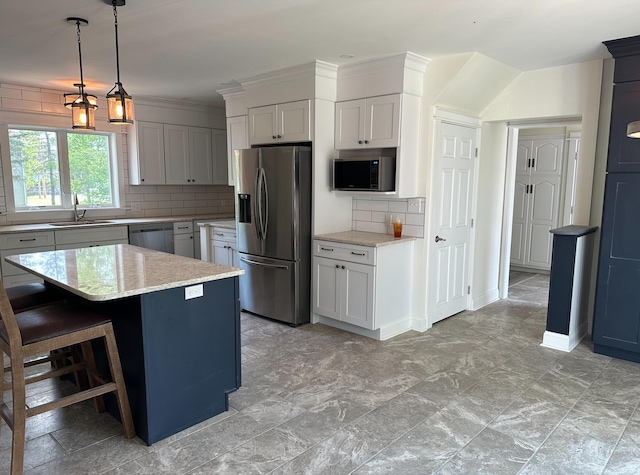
(43, 330)
(28, 296)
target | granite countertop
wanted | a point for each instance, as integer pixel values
(229, 224)
(362, 238)
(119, 270)
(20, 228)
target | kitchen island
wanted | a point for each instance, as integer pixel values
(176, 321)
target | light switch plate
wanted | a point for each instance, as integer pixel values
(193, 291)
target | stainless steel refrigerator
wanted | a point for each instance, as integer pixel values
(273, 219)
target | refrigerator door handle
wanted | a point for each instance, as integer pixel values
(265, 222)
(256, 263)
(256, 204)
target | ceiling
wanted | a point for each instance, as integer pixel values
(187, 49)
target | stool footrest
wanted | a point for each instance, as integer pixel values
(72, 399)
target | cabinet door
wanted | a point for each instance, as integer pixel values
(382, 121)
(349, 125)
(523, 156)
(220, 171)
(543, 217)
(617, 305)
(201, 156)
(237, 139)
(151, 153)
(183, 245)
(176, 154)
(624, 152)
(326, 287)
(547, 155)
(220, 252)
(519, 229)
(358, 298)
(263, 124)
(294, 122)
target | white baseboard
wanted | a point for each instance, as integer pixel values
(484, 300)
(420, 324)
(559, 341)
(396, 328)
(383, 333)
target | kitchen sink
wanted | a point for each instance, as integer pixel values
(80, 223)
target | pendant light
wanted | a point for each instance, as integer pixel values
(82, 105)
(119, 103)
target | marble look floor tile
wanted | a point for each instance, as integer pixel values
(425, 447)
(625, 459)
(37, 452)
(326, 385)
(617, 384)
(580, 445)
(489, 452)
(441, 388)
(235, 430)
(344, 451)
(319, 422)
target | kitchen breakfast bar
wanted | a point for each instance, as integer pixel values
(177, 327)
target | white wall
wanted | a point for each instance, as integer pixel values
(561, 92)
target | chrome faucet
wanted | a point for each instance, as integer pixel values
(76, 215)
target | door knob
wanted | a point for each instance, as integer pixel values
(438, 239)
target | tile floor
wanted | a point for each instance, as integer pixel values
(475, 394)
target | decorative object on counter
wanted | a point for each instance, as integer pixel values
(82, 105)
(396, 222)
(119, 103)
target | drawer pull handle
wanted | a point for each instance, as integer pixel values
(326, 249)
(219, 234)
(358, 253)
(25, 240)
(183, 227)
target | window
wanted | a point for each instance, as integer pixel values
(48, 166)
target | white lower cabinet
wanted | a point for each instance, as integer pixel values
(22, 243)
(223, 247)
(183, 239)
(369, 287)
(91, 237)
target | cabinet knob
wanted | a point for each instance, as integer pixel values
(274, 137)
(337, 266)
(142, 179)
(279, 136)
(343, 267)
(366, 141)
(360, 142)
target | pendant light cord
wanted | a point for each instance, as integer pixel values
(80, 57)
(115, 15)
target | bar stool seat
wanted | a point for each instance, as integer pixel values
(27, 296)
(44, 330)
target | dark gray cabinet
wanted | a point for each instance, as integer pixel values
(616, 325)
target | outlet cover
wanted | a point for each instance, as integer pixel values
(193, 291)
(414, 205)
(135, 206)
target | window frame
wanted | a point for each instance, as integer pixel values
(61, 126)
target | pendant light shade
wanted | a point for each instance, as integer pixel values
(633, 130)
(82, 105)
(119, 103)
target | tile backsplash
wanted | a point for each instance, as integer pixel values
(373, 214)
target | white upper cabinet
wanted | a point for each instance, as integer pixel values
(148, 169)
(368, 123)
(188, 154)
(220, 172)
(237, 139)
(280, 123)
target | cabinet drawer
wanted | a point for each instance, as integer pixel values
(223, 234)
(10, 269)
(79, 245)
(345, 252)
(183, 227)
(76, 236)
(26, 240)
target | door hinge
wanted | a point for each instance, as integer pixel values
(471, 222)
(476, 152)
(468, 290)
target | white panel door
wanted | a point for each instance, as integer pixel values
(543, 217)
(327, 287)
(294, 122)
(450, 244)
(151, 153)
(523, 156)
(220, 252)
(382, 121)
(547, 155)
(520, 214)
(201, 156)
(357, 293)
(349, 127)
(219, 145)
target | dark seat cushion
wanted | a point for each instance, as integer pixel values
(31, 295)
(54, 320)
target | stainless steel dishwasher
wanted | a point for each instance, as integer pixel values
(156, 236)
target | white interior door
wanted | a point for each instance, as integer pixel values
(543, 217)
(454, 172)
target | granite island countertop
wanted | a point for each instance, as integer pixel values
(228, 224)
(119, 270)
(363, 238)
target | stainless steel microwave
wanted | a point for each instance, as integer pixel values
(364, 174)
